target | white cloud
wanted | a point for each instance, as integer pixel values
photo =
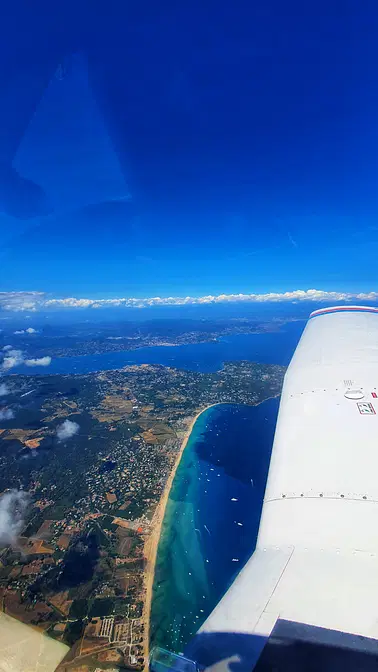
(17, 300)
(271, 297)
(30, 330)
(295, 295)
(7, 347)
(4, 390)
(12, 358)
(6, 414)
(66, 430)
(20, 301)
(42, 361)
(12, 511)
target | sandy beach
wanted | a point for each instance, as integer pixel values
(152, 543)
(151, 546)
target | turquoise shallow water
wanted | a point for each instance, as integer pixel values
(212, 517)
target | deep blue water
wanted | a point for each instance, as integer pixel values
(275, 348)
(212, 517)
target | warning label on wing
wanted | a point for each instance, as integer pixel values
(366, 408)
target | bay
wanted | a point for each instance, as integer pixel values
(268, 347)
(212, 517)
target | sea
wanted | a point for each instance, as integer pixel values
(269, 347)
(212, 516)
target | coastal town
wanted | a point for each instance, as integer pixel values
(82, 568)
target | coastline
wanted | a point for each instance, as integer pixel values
(152, 543)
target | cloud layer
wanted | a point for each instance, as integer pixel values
(66, 430)
(20, 300)
(34, 301)
(12, 512)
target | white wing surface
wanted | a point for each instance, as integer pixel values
(316, 560)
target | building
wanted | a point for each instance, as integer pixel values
(121, 632)
(106, 629)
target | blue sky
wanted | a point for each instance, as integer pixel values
(195, 151)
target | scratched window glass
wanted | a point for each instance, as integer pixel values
(181, 185)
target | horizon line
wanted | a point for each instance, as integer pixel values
(32, 301)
